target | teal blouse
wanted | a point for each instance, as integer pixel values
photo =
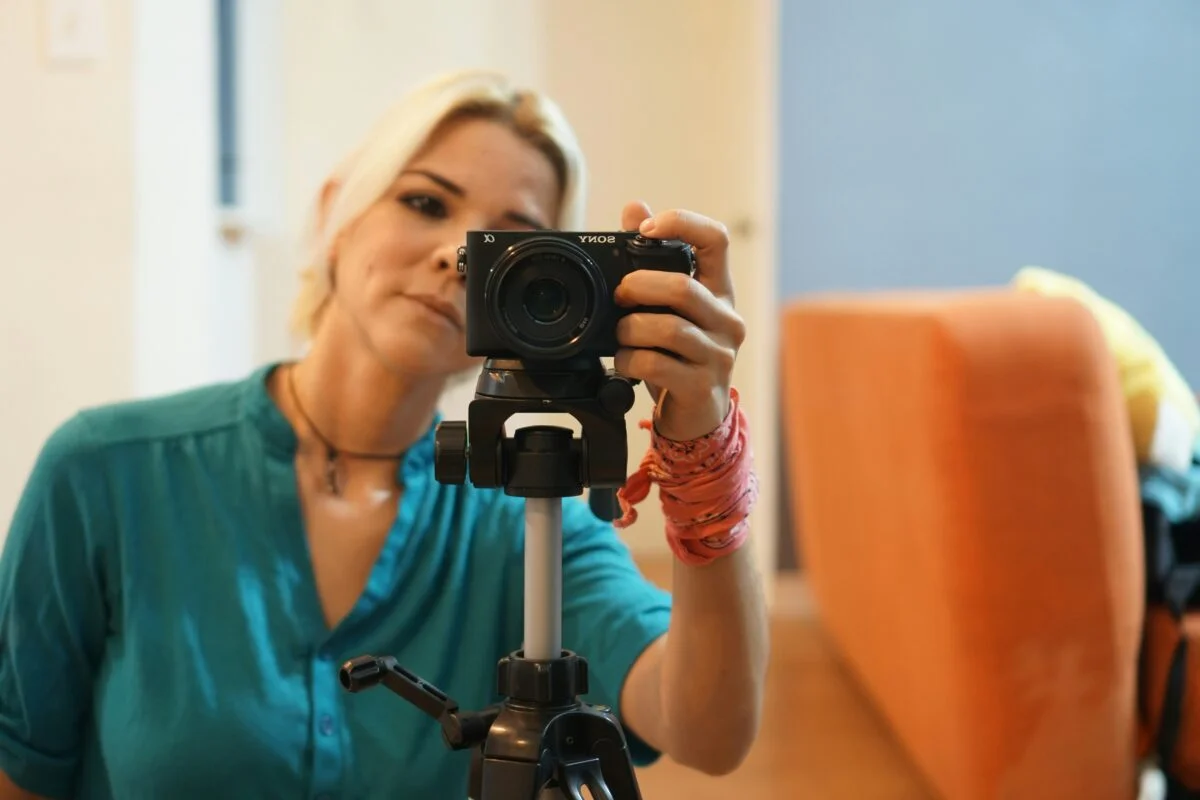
(161, 634)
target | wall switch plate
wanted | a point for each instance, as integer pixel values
(75, 30)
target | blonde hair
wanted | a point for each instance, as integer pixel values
(367, 172)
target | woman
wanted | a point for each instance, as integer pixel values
(184, 575)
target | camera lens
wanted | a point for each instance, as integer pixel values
(543, 295)
(546, 300)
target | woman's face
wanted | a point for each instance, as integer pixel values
(395, 277)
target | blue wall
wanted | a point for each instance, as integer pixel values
(940, 143)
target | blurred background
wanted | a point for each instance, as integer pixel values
(158, 161)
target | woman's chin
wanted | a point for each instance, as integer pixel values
(420, 353)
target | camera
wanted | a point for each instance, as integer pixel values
(548, 295)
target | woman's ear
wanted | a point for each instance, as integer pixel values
(328, 192)
(325, 202)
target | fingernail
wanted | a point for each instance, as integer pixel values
(647, 225)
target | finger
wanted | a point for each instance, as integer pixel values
(654, 368)
(709, 238)
(684, 295)
(632, 215)
(667, 332)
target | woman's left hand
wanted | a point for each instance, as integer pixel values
(703, 334)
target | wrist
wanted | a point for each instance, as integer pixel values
(707, 487)
(681, 424)
(686, 456)
(701, 551)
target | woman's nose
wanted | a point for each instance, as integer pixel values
(447, 257)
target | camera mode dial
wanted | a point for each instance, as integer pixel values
(664, 252)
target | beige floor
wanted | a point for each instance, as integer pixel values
(820, 740)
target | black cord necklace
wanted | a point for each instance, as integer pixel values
(332, 452)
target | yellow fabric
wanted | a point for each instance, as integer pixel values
(1162, 408)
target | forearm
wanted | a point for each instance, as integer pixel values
(696, 694)
(714, 662)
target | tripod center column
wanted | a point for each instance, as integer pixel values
(543, 578)
(544, 468)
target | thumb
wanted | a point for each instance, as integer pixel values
(632, 215)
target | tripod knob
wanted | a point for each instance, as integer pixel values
(360, 673)
(604, 504)
(450, 452)
(616, 394)
(557, 681)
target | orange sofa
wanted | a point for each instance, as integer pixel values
(967, 512)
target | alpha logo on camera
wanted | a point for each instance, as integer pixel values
(594, 239)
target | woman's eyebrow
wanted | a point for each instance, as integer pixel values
(521, 219)
(458, 191)
(447, 184)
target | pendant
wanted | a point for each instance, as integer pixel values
(331, 475)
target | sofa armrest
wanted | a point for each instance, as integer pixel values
(967, 509)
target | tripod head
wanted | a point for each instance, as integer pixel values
(538, 461)
(541, 742)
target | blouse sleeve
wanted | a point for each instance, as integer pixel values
(53, 614)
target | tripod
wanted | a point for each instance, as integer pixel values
(541, 742)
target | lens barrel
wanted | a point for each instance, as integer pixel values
(542, 295)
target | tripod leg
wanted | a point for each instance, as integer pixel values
(587, 773)
(475, 781)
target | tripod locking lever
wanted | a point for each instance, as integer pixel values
(460, 729)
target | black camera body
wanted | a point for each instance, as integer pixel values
(548, 295)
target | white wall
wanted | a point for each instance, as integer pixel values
(66, 232)
(110, 222)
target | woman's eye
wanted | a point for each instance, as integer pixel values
(426, 205)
